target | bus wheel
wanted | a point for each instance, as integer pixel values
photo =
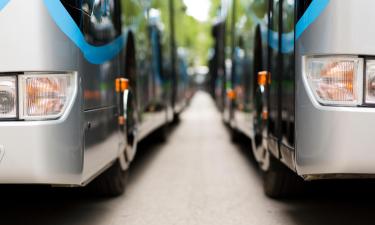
(111, 183)
(260, 150)
(131, 128)
(176, 118)
(235, 135)
(161, 134)
(280, 182)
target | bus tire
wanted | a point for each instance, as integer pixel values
(235, 135)
(111, 183)
(161, 134)
(176, 118)
(280, 182)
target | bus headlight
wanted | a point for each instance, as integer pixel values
(335, 80)
(45, 96)
(8, 97)
(370, 82)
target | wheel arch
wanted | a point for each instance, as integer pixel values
(129, 61)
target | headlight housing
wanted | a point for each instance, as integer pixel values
(370, 82)
(335, 80)
(8, 97)
(36, 96)
(45, 96)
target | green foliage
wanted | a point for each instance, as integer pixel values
(191, 35)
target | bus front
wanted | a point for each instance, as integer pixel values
(335, 88)
(41, 126)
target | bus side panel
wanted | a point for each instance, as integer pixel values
(147, 84)
(150, 82)
(250, 45)
(274, 67)
(102, 135)
(103, 140)
(287, 84)
(219, 63)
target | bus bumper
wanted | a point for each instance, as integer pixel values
(42, 152)
(335, 141)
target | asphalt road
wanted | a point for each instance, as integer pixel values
(197, 177)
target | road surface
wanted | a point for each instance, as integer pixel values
(197, 177)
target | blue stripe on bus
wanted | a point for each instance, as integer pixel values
(3, 3)
(312, 13)
(93, 54)
(272, 37)
(287, 41)
(101, 54)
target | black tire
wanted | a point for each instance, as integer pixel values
(280, 182)
(235, 135)
(111, 183)
(131, 128)
(161, 134)
(176, 119)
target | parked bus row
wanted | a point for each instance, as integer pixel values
(81, 83)
(297, 78)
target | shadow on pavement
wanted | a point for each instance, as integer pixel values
(341, 202)
(45, 205)
(325, 202)
(335, 202)
(42, 205)
(146, 153)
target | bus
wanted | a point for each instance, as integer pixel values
(81, 83)
(173, 54)
(300, 86)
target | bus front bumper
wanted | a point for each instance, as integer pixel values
(334, 141)
(42, 152)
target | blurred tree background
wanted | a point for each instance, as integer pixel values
(192, 36)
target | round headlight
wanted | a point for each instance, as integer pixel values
(8, 97)
(7, 102)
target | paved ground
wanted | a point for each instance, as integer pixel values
(197, 177)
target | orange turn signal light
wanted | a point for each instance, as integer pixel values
(121, 120)
(121, 84)
(231, 94)
(265, 115)
(264, 78)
